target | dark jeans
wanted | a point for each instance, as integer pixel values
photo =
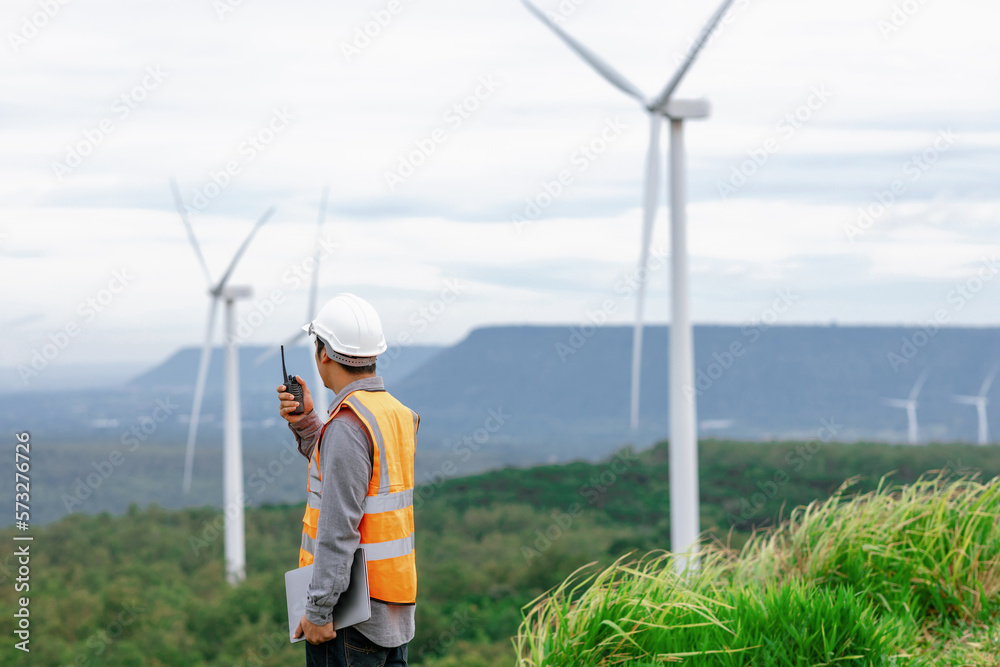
(350, 648)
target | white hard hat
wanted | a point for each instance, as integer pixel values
(350, 329)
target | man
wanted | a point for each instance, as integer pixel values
(360, 492)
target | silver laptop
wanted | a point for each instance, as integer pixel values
(354, 605)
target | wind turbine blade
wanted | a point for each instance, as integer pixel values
(988, 382)
(896, 402)
(650, 207)
(613, 76)
(246, 242)
(179, 203)
(199, 393)
(967, 400)
(918, 385)
(692, 53)
(274, 350)
(314, 287)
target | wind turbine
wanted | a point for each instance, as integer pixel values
(685, 519)
(235, 548)
(910, 405)
(981, 401)
(317, 389)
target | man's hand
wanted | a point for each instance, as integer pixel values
(315, 634)
(288, 402)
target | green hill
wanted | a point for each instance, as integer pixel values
(147, 587)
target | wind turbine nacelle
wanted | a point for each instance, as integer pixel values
(236, 292)
(687, 109)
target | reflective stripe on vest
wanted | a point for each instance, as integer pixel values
(386, 526)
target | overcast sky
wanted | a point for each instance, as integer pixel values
(819, 109)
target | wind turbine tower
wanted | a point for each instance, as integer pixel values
(235, 545)
(910, 405)
(980, 401)
(684, 495)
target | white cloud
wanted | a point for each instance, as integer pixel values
(353, 121)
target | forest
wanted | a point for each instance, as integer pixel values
(147, 587)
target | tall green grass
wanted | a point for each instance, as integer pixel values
(865, 579)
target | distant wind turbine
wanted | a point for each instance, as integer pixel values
(685, 516)
(235, 548)
(980, 400)
(910, 405)
(317, 389)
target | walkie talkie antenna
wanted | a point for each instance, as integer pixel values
(284, 370)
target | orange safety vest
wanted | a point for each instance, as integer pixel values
(387, 523)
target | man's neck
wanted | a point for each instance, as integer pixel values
(345, 382)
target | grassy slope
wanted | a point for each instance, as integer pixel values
(898, 576)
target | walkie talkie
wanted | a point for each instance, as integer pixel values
(293, 387)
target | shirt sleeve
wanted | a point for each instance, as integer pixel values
(306, 432)
(346, 462)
